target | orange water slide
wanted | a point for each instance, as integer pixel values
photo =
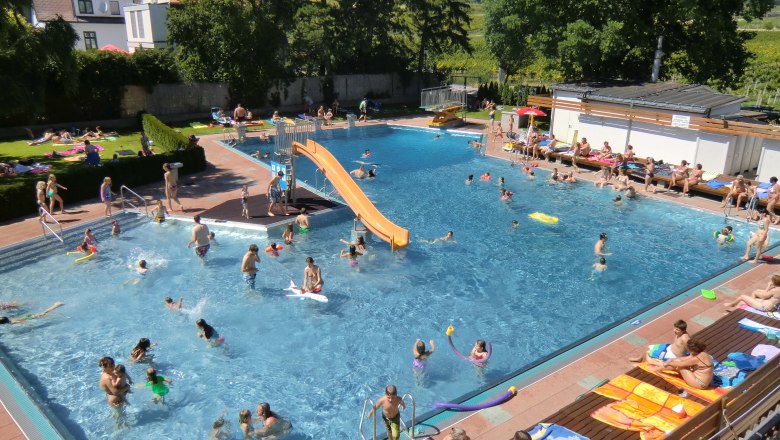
(377, 223)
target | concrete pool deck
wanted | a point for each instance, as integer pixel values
(539, 396)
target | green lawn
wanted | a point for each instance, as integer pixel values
(770, 21)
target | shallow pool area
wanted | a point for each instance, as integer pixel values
(528, 290)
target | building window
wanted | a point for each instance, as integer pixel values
(140, 19)
(133, 25)
(90, 40)
(85, 7)
(114, 5)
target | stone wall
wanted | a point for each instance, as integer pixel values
(168, 99)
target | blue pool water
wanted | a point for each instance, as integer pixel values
(529, 291)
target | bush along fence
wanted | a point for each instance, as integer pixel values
(165, 138)
(83, 182)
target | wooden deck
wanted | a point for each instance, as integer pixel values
(722, 337)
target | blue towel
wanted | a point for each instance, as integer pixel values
(633, 166)
(715, 184)
(764, 185)
(548, 431)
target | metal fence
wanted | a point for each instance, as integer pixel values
(286, 134)
(442, 97)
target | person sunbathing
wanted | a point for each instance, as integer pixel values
(738, 191)
(680, 174)
(584, 148)
(694, 179)
(696, 369)
(766, 300)
(606, 151)
(46, 137)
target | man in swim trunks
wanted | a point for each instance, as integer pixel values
(303, 220)
(600, 247)
(25, 318)
(239, 114)
(248, 267)
(200, 237)
(584, 148)
(275, 194)
(312, 277)
(390, 414)
(359, 173)
(658, 353)
(170, 304)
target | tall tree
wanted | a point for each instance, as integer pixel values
(241, 42)
(32, 60)
(438, 26)
(617, 39)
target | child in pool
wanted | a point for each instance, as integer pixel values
(121, 381)
(141, 350)
(531, 175)
(470, 179)
(479, 352)
(274, 250)
(515, 224)
(212, 238)
(159, 212)
(601, 266)
(352, 255)
(287, 235)
(421, 354)
(245, 421)
(115, 230)
(158, 384)
(506, 195)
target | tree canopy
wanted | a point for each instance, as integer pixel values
(588, 39)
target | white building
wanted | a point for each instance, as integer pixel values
(147, 25)
(98, 23)
(598, 111)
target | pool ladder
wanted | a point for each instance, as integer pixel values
(44, 214)
(751, 207)
(122, 190)
(406, 431)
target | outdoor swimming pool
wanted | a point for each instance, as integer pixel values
(528, 290)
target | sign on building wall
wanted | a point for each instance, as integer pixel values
(681, 121)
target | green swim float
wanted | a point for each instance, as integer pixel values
(160, 388)
(729, 238)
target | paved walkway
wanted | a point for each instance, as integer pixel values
(228, 170)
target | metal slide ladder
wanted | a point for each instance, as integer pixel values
(122, 190)
(44, 214)
(407, 431)
(332, 194)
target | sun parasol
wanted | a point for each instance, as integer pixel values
(112, 48)
(530, 111)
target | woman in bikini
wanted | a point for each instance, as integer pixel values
(696, 368)
(694, 179)
(171, 187)
(680, 174)
(766, 300)
(738, 191)
(51, 191)
(649, 173)
(761, 238)
(40, 196)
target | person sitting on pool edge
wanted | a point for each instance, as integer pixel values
(312, 277)
(25, 318)
(390, 414)
(657, 353)
(421, 354)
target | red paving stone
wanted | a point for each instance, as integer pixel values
(229, 170)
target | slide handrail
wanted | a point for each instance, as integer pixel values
(357, 200)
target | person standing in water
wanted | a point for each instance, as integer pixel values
(390, 414)
(303, 221)
(248, 267)
(600, 247)
(421, 354)
(115, 396)
(200, 237)
(312, 277)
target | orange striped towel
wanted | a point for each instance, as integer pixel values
(651, 398)
(710, 395)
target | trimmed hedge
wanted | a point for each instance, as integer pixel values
(83, 182)
(165, 138)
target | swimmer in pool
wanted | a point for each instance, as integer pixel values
(531, 175)
(351, 254)
(212, 238)
(248, 267)
(359, 173)
(115, 230)
(630, 192)
(438, 136)
(515, 224)
(501, 182)
(208, 334)
(142, 268)
(360, 244)
(470, 179)
(219, 430)
(618, 201)
(479, 352)
(25, 318)
(723, 235)
(170, 304)
(421, 354)
(121, 380)
(200, 238)
(366, 154)
(158, 384)
(447, 237)
(141, 350)
(601, 266)
(303, 220)
(371, 173)
(288, 233)
(600, 247)
(159, 212)
(506, 196)
(312, 277)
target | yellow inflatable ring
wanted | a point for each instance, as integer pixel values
(544, 218)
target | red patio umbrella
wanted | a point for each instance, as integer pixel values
(112, 48)
(530, 111)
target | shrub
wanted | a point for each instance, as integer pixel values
(164, 137)
(83, 182)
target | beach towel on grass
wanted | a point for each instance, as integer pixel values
(710, 395)
(551, 431)
(715, 184)
(77, 149)
(642, 407)
(749, 324)
(773, 315)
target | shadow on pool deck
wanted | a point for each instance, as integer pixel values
(258, 208)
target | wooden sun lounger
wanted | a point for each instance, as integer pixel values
(722, 337)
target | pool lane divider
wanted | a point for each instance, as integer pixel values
(562, 357)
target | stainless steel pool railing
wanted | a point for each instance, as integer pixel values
(122, 190)
(363, 417)
(410, 429)
(44, 215)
